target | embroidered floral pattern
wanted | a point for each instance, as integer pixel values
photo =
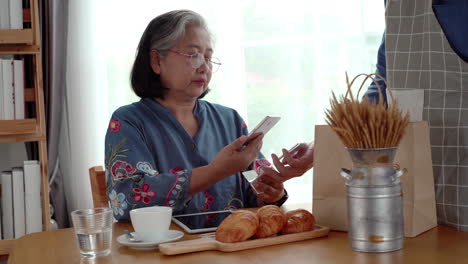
(117, 151)
(234, 203)
(114, 126)
(209, 200)
(146, 167)
(117, 202)
(121, 170)
(176, 189)
(175, 170)
(143, 194)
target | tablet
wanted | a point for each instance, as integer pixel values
(200, 222)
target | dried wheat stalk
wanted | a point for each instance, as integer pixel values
(364, 124)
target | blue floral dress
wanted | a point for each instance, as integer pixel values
(150, 157)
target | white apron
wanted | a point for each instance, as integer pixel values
(420, 57)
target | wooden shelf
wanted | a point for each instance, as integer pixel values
(18, 127)
(16, 36)
(28, 41)
(19, 49)
(22, 138)
(23, 130)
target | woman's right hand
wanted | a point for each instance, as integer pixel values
(233, 158)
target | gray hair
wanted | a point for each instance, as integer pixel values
(173, 30)
(162, 33)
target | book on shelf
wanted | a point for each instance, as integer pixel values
(7, 205)
(2, 112)
(4, 14)
(12, 80)
(16, 14)
(11, 14)
(19, 219)
(8, 90)
(21, 200)
(18, 84)
(32, 193)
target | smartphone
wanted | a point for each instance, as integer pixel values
(262, 128)
(201, 222)
(294, 148)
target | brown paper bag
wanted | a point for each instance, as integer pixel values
(414, 154)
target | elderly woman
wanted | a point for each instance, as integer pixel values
(172, 148)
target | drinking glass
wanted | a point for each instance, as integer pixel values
(93, 229)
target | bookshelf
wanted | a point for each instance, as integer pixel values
(28, 41)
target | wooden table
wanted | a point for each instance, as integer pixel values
(439, 245)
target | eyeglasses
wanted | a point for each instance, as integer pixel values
(197, 60)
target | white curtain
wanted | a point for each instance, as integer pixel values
(279, 58)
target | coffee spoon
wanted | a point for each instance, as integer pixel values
(131, 237)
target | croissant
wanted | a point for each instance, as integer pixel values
(299, 220)
(272, 219)
(239, 226)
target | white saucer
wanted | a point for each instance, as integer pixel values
(148, 245)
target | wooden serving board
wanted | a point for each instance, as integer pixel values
(210, 243)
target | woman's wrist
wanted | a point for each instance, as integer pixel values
(281, 200)
(216, 172)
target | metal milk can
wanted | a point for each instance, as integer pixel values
(375, 201)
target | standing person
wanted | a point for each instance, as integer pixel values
(426, 47)
(172, 148)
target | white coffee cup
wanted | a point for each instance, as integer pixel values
(151, 223)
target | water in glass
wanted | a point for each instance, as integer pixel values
(94, 243)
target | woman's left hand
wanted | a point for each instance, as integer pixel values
(269, 185)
